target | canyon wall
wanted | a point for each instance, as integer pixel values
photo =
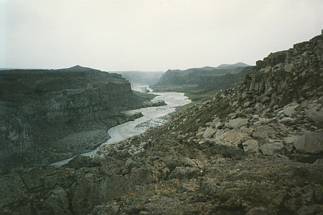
(49, 115)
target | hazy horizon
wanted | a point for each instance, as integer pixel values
(151, 35)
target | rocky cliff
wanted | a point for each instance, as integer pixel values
(48, 115)
(254, 149)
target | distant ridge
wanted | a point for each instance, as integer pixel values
(73, 68)
(141, 77)
(79, 68)
(232, 66)
(203, 79)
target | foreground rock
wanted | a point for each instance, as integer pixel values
(310, 142)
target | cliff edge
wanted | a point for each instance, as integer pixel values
(50, 115)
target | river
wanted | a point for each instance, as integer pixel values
(152, 117)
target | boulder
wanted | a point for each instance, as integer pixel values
(310, 142)
(261, 121)
(264, 132)
(219, 125)
(237, 123)
(286, 120)
(271, 148)
(232, 138)
(250, 145)
(289, 142)
(209, 132)
(290, 139)
(188, 162)
(290, 110)
(200, 131)
(315, 113)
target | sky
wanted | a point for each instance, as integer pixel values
(151, 35)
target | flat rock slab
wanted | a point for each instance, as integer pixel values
(237, 123)
(310, 142)
(290, 110)
(232, 138)
(315, 113)
(272, 148)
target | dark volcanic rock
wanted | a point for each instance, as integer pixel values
(49, 115)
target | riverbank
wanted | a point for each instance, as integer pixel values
(150, 117)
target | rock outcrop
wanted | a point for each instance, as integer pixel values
(277, 110)
(50, 115)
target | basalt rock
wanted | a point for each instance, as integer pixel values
(50, 115)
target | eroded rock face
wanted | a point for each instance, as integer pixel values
(49, 115)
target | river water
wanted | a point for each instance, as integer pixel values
(152, 117)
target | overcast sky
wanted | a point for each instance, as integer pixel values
(151, 34)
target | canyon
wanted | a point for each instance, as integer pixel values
(255, 148)
(50, 115)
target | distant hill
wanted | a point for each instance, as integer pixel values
(232, 66)
(203, 79)
(140, 77)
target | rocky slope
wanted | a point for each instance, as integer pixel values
(253, 150)
(49, 115)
